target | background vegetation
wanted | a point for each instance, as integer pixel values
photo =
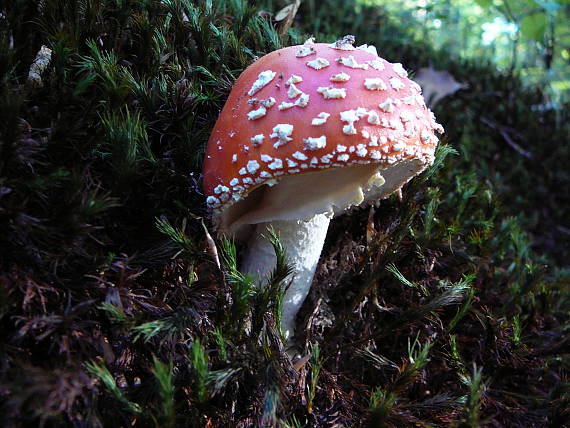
(527, 36)
(446, 308)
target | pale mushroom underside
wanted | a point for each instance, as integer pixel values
(328, 191)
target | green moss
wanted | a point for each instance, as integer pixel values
(105, 258)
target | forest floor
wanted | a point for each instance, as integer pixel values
(447, 306)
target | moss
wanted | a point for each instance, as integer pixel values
(440, 309)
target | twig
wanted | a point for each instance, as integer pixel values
(506, 136)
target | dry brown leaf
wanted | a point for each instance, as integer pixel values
(437, 84)
(284, 18)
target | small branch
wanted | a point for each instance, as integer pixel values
(503, 130)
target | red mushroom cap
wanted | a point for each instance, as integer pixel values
(315, 107)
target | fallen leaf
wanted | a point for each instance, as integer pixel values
(437, 84)
(284, 18)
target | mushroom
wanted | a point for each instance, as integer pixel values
(307, 132)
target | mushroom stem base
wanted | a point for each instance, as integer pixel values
(303, 241)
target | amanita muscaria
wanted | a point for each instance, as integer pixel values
(307, 132)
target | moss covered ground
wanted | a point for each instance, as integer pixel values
(447, 307)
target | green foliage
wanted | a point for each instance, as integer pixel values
(221, 343)
(184, 243)
(465, 308)
(534, 26)
(315, 366)
(109, 383)
(114, 81)
(105, 259)
(517, 330)
(383, 402)
(127, 142)
(199, 362)
(242, 286)
(268, 297)
(476, 391)
(165, 380)
(529, 37)
(218, 379)
(116, 314)
(170, 328)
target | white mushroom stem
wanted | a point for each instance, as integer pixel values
(303, 241)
